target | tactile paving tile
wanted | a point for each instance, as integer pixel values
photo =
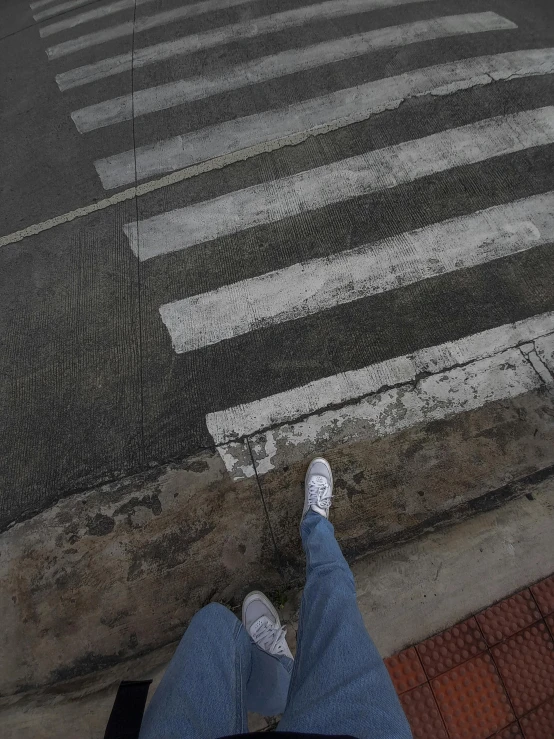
(472, 701)
(422, 713)
(526, 663)
(508, 617)
(539, 724)
(543, 593)
(510, 732)
(451, 648)
(405, 670)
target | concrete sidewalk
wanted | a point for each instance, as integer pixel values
(406, 593)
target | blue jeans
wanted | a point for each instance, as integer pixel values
(337, 684)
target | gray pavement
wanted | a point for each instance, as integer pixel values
(92, 388)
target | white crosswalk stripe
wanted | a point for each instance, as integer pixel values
(286, 407)
(348, 178)
(141, 24)
(484, 377)
(86, 16)
(147, 55)
(40, 4)
(161, 97)
(51, 11)
(303, 289)
(285, 126)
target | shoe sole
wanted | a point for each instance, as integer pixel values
(328, 466)
(258, 595)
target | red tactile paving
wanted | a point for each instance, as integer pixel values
(454, 686)
(543, 593)
(510, 732)
(472, 701)
(539, 724)
(405, 670)
(422, 713)
(508, 617)
(451, 648)
(526, 664)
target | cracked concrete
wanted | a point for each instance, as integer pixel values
(434, 384)
(158, 546)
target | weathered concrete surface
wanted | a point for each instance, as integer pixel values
(406, 593)
(117, 573)
(106, 577)
(400, 486)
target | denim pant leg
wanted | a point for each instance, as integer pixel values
(339, 682)
(202, 694)
(217, 673)
(268, 686)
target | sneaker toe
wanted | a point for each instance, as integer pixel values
(320, 467)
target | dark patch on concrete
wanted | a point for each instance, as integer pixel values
(100, 525)
(343, 485)
(487, 502)
(167, 552)
(86, 664)
(151, 502)
(114, 620)
(197, 466)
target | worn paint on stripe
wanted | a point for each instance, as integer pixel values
(57, 9)
(457, 390)
(463, 375)
(142, 24)
(218, 36)
(90, 15)
(346, 387)
(292, 61)
(347, 178)
(306, 288)
(295, 123)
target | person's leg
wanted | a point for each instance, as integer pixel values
(269, 682)
(203, 692)
(272, 661)
(339, 683)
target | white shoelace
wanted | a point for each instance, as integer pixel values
(319, 492)
(267, 636)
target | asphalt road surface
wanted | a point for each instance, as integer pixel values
(205, 204)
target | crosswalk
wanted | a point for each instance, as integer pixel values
(309, 287)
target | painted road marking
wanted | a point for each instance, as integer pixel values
(299, 121)
(57, 9)
(90, 15)
(162, 97)
(40, 4)
(141, 24)
(363, 174)
(346, 387)
(218, 36)
(310, 287)
(455, 389)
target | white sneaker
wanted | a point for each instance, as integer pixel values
(318, 487)
(262, 622)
